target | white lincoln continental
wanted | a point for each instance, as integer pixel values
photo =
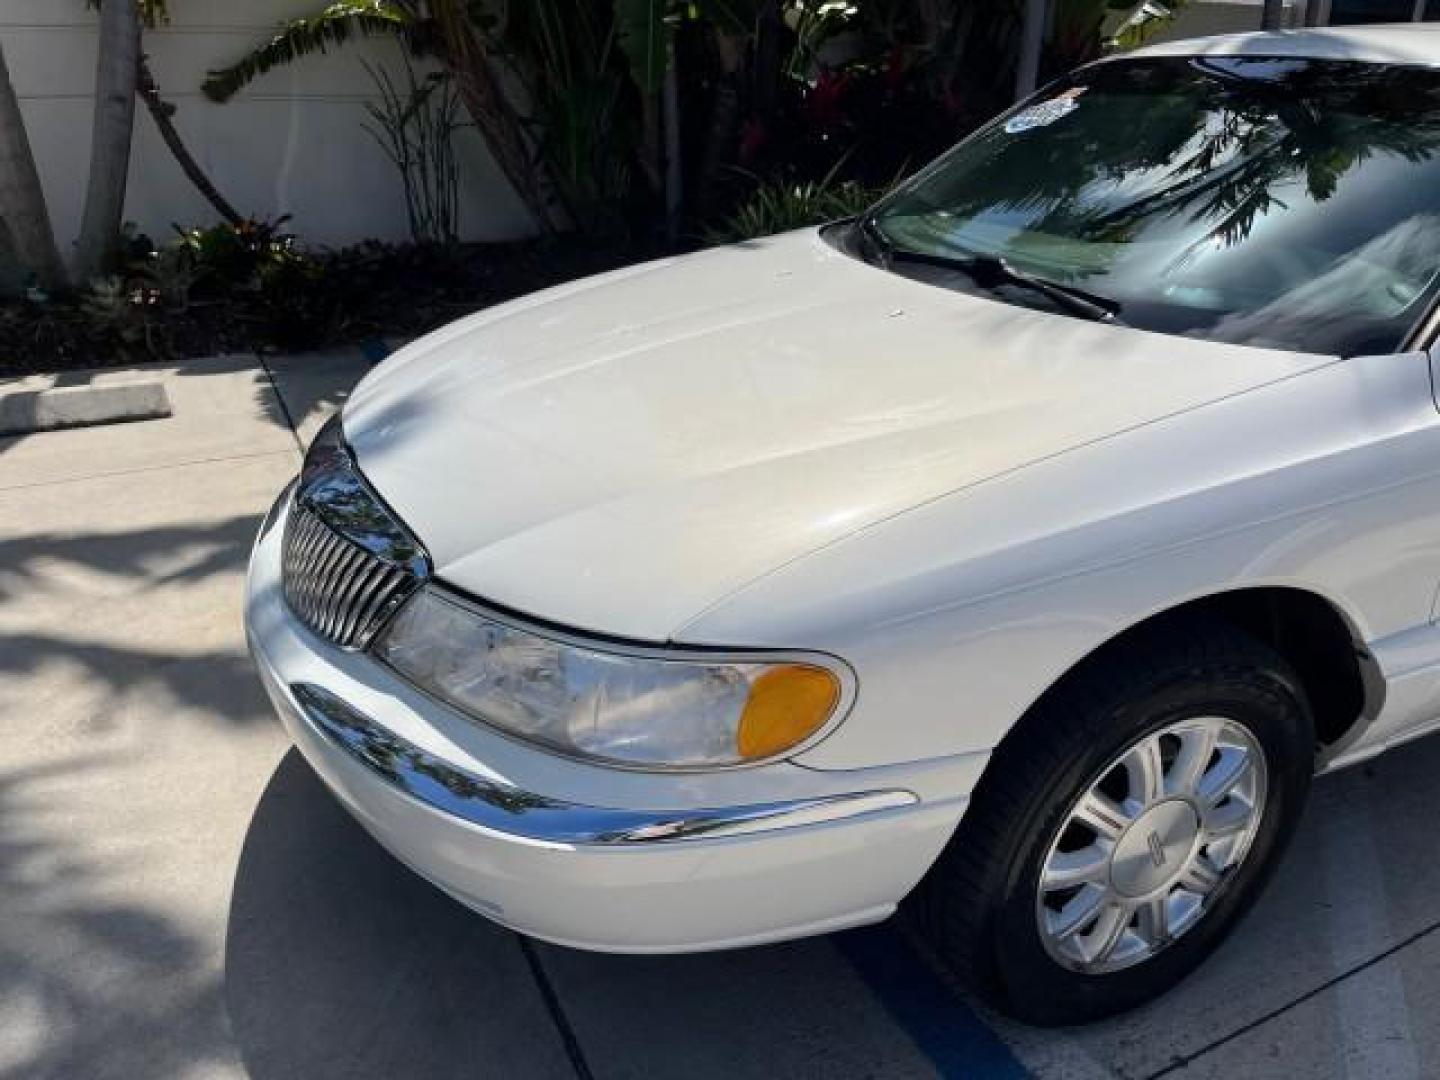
(1021, 547)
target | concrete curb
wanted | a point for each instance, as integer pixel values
(23, 412)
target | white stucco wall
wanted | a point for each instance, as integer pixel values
(1200, 18)
(292, 143)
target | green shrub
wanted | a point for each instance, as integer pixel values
(224, 258)
(779, 206)
(119, 317)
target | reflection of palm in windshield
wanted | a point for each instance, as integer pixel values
(1200, 193)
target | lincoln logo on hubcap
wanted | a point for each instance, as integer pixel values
(1157, 849)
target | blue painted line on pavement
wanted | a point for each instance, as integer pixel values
(374, 350)
(948, 1032)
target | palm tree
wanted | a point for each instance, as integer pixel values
(445, 28)
(467, 54)
(116, 80)
(124, 74)
(572, 156)
(1032, 41)
(23, 214)
(163, 114)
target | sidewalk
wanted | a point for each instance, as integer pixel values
(179, 897)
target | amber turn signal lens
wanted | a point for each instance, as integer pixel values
(786, 706)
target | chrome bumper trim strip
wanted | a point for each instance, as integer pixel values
(440, 785)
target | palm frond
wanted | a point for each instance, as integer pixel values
(779, 206)
(1143, 22)
(333, 26)
(730, 16)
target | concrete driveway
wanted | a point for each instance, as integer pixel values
(180, 898)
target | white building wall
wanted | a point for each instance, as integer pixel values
(1201, 18)
(291, 143)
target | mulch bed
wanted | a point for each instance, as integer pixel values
(349, 296)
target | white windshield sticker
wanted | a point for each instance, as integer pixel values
(1047, 112)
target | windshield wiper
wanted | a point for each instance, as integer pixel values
(882, 244)
(991, 271)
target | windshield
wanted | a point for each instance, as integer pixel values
(1277, 202)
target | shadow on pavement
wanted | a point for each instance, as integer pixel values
(147, 559)
(137, 578)
(137, 1008)
(341, 962)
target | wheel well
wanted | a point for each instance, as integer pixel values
(1307, 630)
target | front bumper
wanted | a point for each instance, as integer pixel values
(585, 855)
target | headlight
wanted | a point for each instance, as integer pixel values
(614, 706)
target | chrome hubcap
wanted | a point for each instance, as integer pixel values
(1146, 849)
(1155, 848)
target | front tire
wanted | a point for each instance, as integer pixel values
(1124, 826)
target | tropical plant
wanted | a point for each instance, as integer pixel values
(567, 56)
(890, 83)
(123, 75)
(121, 71)
(451, 31)
(122, 317)
(244, 257)
(814, 23)
(151, 14)
(256, 267)
(572, 152)
(24, 217)
(642, 29)
(779, 206)
(1144, 22)
(332, 26)
(784, 88)
(415, 126)
(466, 44)
(171, 274)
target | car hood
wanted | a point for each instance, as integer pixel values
(622, 453)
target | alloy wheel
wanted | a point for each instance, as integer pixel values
(1150, 844)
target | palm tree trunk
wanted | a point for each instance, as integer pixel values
(1032, 42)
(163, 114)
(766, 72)
(465, 54)
(720, 129)
(115, 84)
(674, 176)
(22, 201)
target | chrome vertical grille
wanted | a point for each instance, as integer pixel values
(347, 561)
(339, 589)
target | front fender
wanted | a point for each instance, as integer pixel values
(958, 615)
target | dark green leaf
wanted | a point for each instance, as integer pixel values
(641, 28)
(335, 25)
